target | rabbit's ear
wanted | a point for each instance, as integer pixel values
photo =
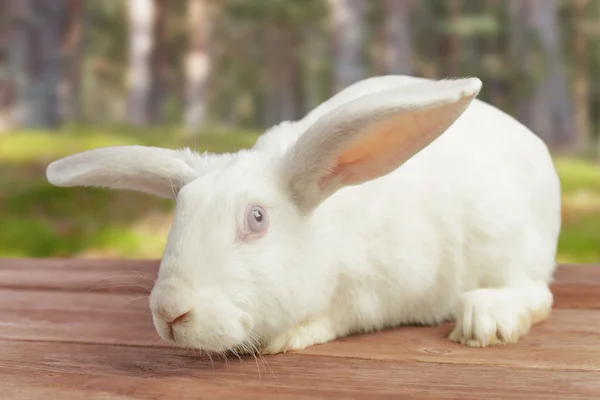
(371, 136)
(154, 170)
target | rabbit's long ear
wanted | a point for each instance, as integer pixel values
(371, 136)
(154, 170)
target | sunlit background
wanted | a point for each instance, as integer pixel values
(80, 74)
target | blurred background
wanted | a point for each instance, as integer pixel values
(210, 74)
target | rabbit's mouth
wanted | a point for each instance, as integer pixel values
(247, 348)
(188, 332)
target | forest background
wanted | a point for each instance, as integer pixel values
(210, 74)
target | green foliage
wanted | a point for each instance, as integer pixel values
(282, 11)
(242, 65)
(40, 220)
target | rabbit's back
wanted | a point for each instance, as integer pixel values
(477, 208)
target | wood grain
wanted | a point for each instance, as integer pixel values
(174, 372)
(80, 317)
(79, 275)
(63, 335)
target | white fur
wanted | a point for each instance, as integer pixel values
(466, 229)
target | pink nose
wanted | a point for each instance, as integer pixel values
(180, 318)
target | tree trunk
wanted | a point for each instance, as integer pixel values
(35, 60)
(452, 42)
(7, 89)
(520, 49)
(282, 75)
(70, 96)
(19, 59)
(581, 82)
(316, 64)
(141, 18)
(546, 105)
(398, 41)
(159, 64)
(348, 40)
(557, 114)
(492, 46)
(197, 64)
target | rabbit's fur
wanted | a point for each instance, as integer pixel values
(400, 200)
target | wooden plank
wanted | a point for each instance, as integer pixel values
(81, 317)
(575, 286)
(569, 339)
(79, 274)
(77, 387)
(60, 338)
(123, 372)
(80, 263)
(116, 328)
(582, 275)
(576, 297)
(93, 302)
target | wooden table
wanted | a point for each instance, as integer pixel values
(81, 329)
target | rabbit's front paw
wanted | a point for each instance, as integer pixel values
(308, 334)
(489, 317)
(485, 320)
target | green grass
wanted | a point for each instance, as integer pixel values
(578, 176)
(580, 236)
(40, 220)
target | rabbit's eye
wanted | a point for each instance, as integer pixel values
(256, 219)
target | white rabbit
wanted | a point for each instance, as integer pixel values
(398, 201)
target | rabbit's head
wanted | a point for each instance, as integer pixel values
(247, 256)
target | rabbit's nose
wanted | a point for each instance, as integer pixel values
(172, 317)
(171, 302)
(180, 318)
(174, 321)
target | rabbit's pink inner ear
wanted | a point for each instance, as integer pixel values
(384, 145)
